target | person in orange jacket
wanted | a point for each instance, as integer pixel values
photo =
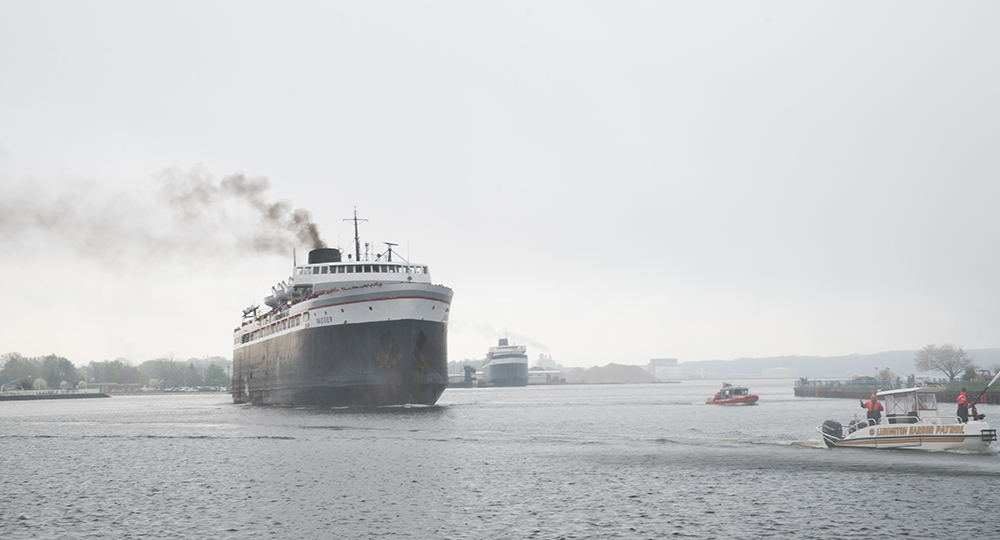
(963, 407)
(874, 408)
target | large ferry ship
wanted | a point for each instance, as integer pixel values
(360, 333)
(506, 365)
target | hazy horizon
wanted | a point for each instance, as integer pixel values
(599, 182)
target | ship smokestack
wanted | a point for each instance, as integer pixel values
(324, 255)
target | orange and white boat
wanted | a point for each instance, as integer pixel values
(733, 395)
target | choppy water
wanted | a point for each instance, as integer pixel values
(607, 461)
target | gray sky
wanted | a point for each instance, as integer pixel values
(603, 181)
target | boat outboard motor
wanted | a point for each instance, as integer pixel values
(833, 432)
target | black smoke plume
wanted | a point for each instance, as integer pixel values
(180, 215)
(196, 196)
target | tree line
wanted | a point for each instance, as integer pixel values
(52, 371)
(950, 360)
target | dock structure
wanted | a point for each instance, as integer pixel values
(25, 395)
(862, 389)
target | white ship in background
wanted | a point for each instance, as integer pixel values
(506, 365)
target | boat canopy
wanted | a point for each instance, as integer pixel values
(905, 405)
(728, 392)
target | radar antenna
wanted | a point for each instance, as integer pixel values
(357, 239)
(390, 244)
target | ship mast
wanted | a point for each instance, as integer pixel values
(357, 239)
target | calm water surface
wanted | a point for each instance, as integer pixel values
(597, 461)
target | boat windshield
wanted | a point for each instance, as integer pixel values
(926, 401)
(908, 407)
(741, 391)
(900, 404)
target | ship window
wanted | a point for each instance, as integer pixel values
(305, 317)
(425, 270)
(326, 269)
(368, 268)
(357, 269)
(350, 269)
(298, 271)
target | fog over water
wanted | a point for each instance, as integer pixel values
(597, 461)
(605, 183)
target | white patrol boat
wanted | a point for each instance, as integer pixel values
(911, 422)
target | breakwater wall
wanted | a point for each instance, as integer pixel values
(12, 396)
(947, 393)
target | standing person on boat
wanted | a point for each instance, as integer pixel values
(963, 407)
(873, 407)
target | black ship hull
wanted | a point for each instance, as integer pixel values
(370, 364)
